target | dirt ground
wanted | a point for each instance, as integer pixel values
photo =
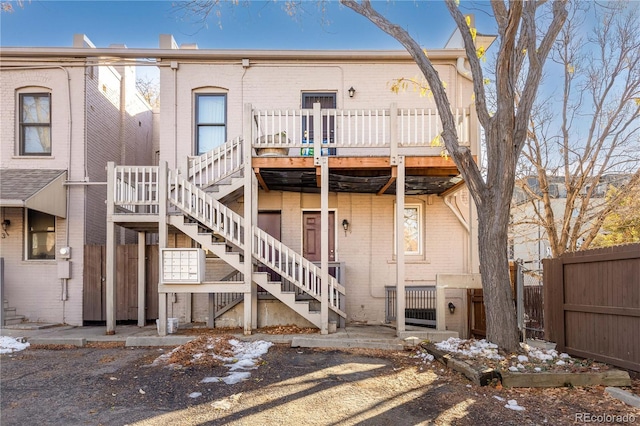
(113, 385)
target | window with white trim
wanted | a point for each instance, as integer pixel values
(35, 123)
(413, 230)
(211, 121)
(41, 236)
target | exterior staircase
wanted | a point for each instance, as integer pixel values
(200, 214)
(10, 317)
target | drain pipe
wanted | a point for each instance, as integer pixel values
(466, 226)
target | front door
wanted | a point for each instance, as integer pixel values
(311, 236)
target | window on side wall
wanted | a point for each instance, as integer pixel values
(413, 235)
(41, 236)
(35, 124)
(211, 121)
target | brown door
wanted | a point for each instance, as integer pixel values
(270, 223)
(311, 236)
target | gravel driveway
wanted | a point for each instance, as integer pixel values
(109, 385)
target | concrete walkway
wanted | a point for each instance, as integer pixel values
(352, 336)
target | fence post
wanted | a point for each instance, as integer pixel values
(520, 299)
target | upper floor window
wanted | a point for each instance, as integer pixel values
(41, 235)
(211, 121)
(35, 124)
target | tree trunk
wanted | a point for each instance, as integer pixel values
(502, 328)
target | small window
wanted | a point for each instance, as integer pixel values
(211, 121)
(35, 124)
(41, 235)
(412, 229)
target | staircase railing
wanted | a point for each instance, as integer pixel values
(217, 164)
(196, 203)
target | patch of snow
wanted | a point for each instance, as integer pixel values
(520, 366)
(523, 358)
(560, 362)
(512, 404)
(245, 357)
(471, 348)
(9, 345)
(426, 356)
(512, 368)
(195, 394)
(563, 355)
(537, 369)
(499, 398)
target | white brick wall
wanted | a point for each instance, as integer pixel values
(32, 286)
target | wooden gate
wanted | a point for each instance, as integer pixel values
(94, 294)
(476, 313)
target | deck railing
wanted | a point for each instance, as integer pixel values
(217, 164)
(136, 189)
(369, 128)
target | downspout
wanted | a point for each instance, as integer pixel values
(462, 70)
(465, 225)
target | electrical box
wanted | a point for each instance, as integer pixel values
(64, 269)
(183, 265)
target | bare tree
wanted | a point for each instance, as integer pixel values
(522, 52)
(149, 88)
(585, 139)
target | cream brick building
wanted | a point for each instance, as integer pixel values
(63, 118)
(282, 174)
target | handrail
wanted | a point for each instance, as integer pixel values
(361, 128)
(217, 164)
(196, 203)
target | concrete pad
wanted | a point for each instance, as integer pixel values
(624, 396)
(431, 335)
(319, 342)
(158, 340)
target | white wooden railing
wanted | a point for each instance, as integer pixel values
(371, 128)
(136, 189)
(217, 164)
(199, 205)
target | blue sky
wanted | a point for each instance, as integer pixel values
(249, 25)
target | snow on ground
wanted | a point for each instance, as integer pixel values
(9, 345)
(470, 348)
(246, 356)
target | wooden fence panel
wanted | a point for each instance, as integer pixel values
(592, 303)
(94, 294)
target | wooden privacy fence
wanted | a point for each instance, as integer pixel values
(592, 304)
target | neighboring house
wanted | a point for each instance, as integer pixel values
(527, 237)
(289, 170)
(63, 118)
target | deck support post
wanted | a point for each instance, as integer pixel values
(110, 253)
(400, 273)
(324, 243)
(142, 279)
(247, 134)
(163, 237)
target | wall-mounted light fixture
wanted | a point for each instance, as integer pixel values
(352, 91)
(345, 226)
(5, 224)
(452, 308)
